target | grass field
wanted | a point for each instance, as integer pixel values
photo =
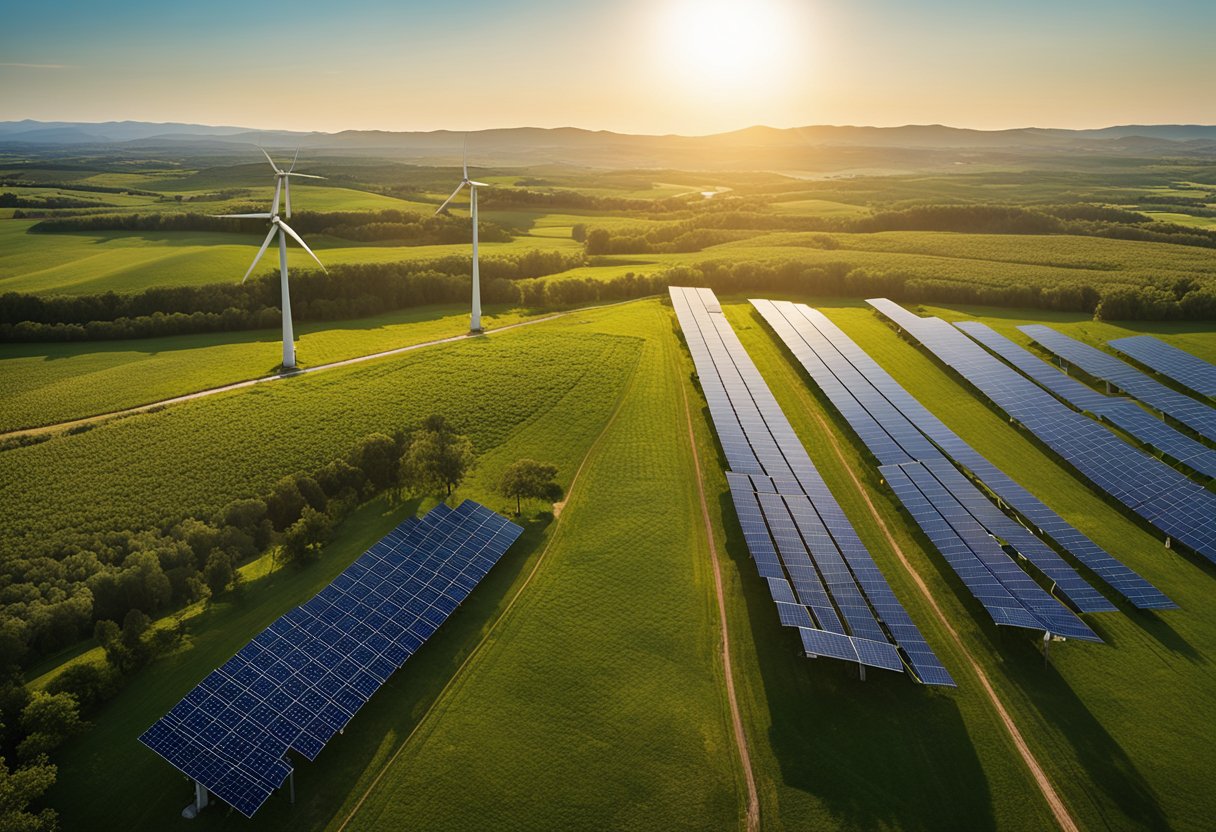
(150, 468)
(1095, 712)
(128, 261)
(47, 383)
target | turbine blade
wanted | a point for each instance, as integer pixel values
(303, 244)
(293, 160)
(464, 155)
(278, 187)
(479, 184)
(287, 192)
(242, 216)
(449, 199)
(273, 230)
(273, 166)
(303, 175)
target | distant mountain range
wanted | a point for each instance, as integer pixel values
(805, 148)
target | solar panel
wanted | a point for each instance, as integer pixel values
(1120, 412)
(822, 578)
(1196, 415)
(299, 681)
(1188, 370)
(1180, 508)
(954, 514)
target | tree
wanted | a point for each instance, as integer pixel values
(109, 636)
(376, 455)
(306, 536)
(19, 788)
(531, 480)
(218, 571)
(47, 720)
(437, 457)
(284, 503)
(89, 682)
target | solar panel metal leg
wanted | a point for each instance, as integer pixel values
(200, 795)
(1046, 648)
(291, 779)
(862, 668)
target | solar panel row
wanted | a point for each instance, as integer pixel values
(1122, 413)
(1129, 584)
(1188, 370)
(1166, 499)
(798, 536)
(299, 681)
(825, 351)
(1194, 414)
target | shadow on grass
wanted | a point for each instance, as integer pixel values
(108, 780)
(878, 754)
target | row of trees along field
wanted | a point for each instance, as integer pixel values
(363, 226)
(707, 228)
(51, 598)
(357, 291)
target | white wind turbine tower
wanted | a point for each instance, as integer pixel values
(475, 320)
(282, 185)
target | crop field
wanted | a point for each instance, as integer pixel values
(147, 469)
(60, 382)
(128, 261)
(997, 259)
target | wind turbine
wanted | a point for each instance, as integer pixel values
(475, 320)
(283, 230)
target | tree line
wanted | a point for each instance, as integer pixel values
(11, 200)
(363, 226)
(709, 228)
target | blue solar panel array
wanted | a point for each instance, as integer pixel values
(1182, 509)
(1030, 508)
(306, 675)
(821, 576)
(1120, 412)
(957, 516)
(1194, 414)
(1190, 371)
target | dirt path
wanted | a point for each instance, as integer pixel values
(346, 362)
(1054, 801)
(476, 651)
(753, 799)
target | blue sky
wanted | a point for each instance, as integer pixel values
(654, 66)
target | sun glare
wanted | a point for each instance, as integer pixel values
(727, 43)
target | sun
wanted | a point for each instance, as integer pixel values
(729, 43)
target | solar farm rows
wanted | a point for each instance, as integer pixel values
(820, 575)
(303, 678)
(1191, 372)
(1169, 501)
(1122, 413)
(965, 526)
(1194, 414)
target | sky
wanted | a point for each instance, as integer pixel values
(641, 66)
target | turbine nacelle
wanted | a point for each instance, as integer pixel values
(282, 180)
